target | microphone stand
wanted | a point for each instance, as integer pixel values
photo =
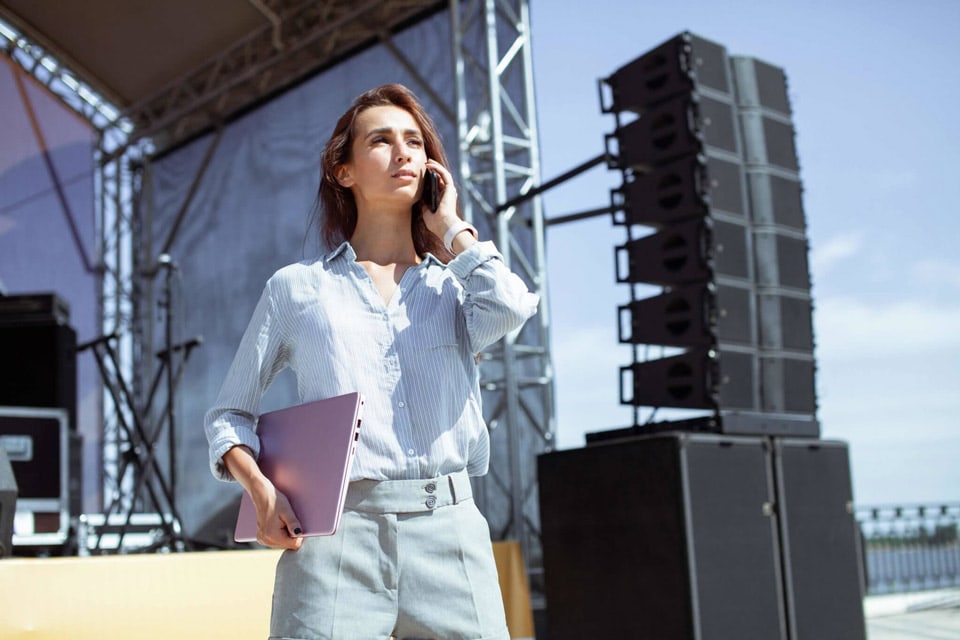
(141, 439)
(165, 262)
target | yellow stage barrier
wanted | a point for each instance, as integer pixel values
(208, 595)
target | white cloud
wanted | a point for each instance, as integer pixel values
(824, 257)
(851, 328)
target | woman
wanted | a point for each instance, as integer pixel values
(396, 310)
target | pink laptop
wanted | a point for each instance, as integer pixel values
(307, 451)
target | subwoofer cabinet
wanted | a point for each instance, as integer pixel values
(680, 536)
(820, 540)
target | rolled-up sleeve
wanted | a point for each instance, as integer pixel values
(261, 355)
(496, 301)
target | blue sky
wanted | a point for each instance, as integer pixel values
(874, 88)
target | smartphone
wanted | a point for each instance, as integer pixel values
(431, 190)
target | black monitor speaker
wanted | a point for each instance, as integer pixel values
(39, 366)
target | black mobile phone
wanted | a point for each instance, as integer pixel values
(431, 190)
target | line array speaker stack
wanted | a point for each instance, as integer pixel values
(706, 147)
(736, 522)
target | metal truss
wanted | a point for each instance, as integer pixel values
(298, 38)
(115, 186)
(499, 160)
(76, 94)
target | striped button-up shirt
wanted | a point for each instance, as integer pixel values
(411, 358)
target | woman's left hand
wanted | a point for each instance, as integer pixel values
(446, 214)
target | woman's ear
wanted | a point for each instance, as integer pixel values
(342, 174)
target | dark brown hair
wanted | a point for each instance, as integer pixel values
(337, 205)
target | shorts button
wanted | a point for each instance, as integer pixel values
(431, 487)
(431, 502)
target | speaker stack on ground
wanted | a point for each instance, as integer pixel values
(693, 536)
(38, 407)
(734, 520)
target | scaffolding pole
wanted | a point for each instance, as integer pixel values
(499, 160)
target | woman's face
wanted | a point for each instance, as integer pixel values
(386, 159)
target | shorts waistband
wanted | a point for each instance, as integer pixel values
(408, 496)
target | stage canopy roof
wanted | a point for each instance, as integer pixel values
(176, 68)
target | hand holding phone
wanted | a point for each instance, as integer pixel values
(431, 190)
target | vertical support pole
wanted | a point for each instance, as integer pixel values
(499, 160)
(118, 183)
(504, 242)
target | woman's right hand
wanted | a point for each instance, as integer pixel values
(277, 524)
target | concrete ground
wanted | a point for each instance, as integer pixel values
(925, 615)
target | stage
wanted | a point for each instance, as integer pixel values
(212, 594)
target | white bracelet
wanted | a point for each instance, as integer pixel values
(456, 230)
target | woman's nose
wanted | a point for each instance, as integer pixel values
(403, 153)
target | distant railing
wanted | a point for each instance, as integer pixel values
(910, 547)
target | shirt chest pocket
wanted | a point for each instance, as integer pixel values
(431, 336)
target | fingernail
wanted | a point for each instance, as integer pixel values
(297, 531)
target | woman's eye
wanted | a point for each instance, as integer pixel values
(415, 142)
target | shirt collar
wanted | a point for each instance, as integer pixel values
(429, 257)
(346, 251)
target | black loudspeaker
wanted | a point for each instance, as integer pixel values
(667, 536)
(681, 254)
(689, 316)
(821, 544)
(695, 379)
(8, 502)
(677, 66)
(39, 367)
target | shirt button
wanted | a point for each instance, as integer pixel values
(401, 404)
(431, 502)
(431, 487)
(410, 452)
